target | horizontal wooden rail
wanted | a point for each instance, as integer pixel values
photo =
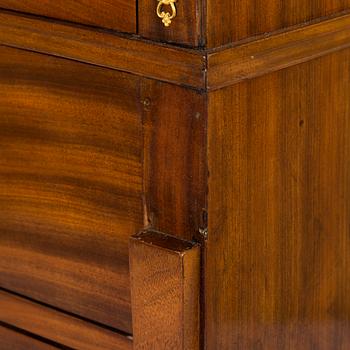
(197, 69)
(256, 58)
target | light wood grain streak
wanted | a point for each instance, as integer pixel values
(276, 52)
(176, 65)
(58, 327)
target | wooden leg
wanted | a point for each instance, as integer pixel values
(165, 278)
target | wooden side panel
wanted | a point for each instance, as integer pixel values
(70, 183)
(228, 21)
(112, 14)
(165, 275)
(185, 28)
(277, 268)
(12, 340)
(174, 159)
(57, 326)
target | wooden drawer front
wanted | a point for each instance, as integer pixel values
(70, 183)
(112, 14)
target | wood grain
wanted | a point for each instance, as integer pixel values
(231, 65)
(57, 326)
(70, 183)
(201, 69)
(175, 168)
(229, 21)
(116, 14)
(165, 274)
(124, 53)
(185, 29)
(12, 340)
(277, 262)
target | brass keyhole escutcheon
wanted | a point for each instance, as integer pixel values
(166, 17)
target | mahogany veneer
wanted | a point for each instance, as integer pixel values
(181, 187)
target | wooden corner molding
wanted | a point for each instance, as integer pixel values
(232, 65)
(165, 292)
(203, 70)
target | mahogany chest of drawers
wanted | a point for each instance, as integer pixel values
(174, 174)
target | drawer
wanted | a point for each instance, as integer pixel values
(112, 14)
(70, 183)
(128, 16)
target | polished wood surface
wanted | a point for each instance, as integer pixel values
(12, 340)
(277, 264)
(231, 65)
(229, 21)
(185, 29)
(57, 326)
(240, 144)
(112, 14)
(165, 276)
(125, 53)
(198, 23)
(201, 69)
(175, 169)
(70, 183)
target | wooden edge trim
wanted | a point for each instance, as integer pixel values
(276, 52)
(58, 327)
(197, 69)
(180, 66)
(165, 291)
